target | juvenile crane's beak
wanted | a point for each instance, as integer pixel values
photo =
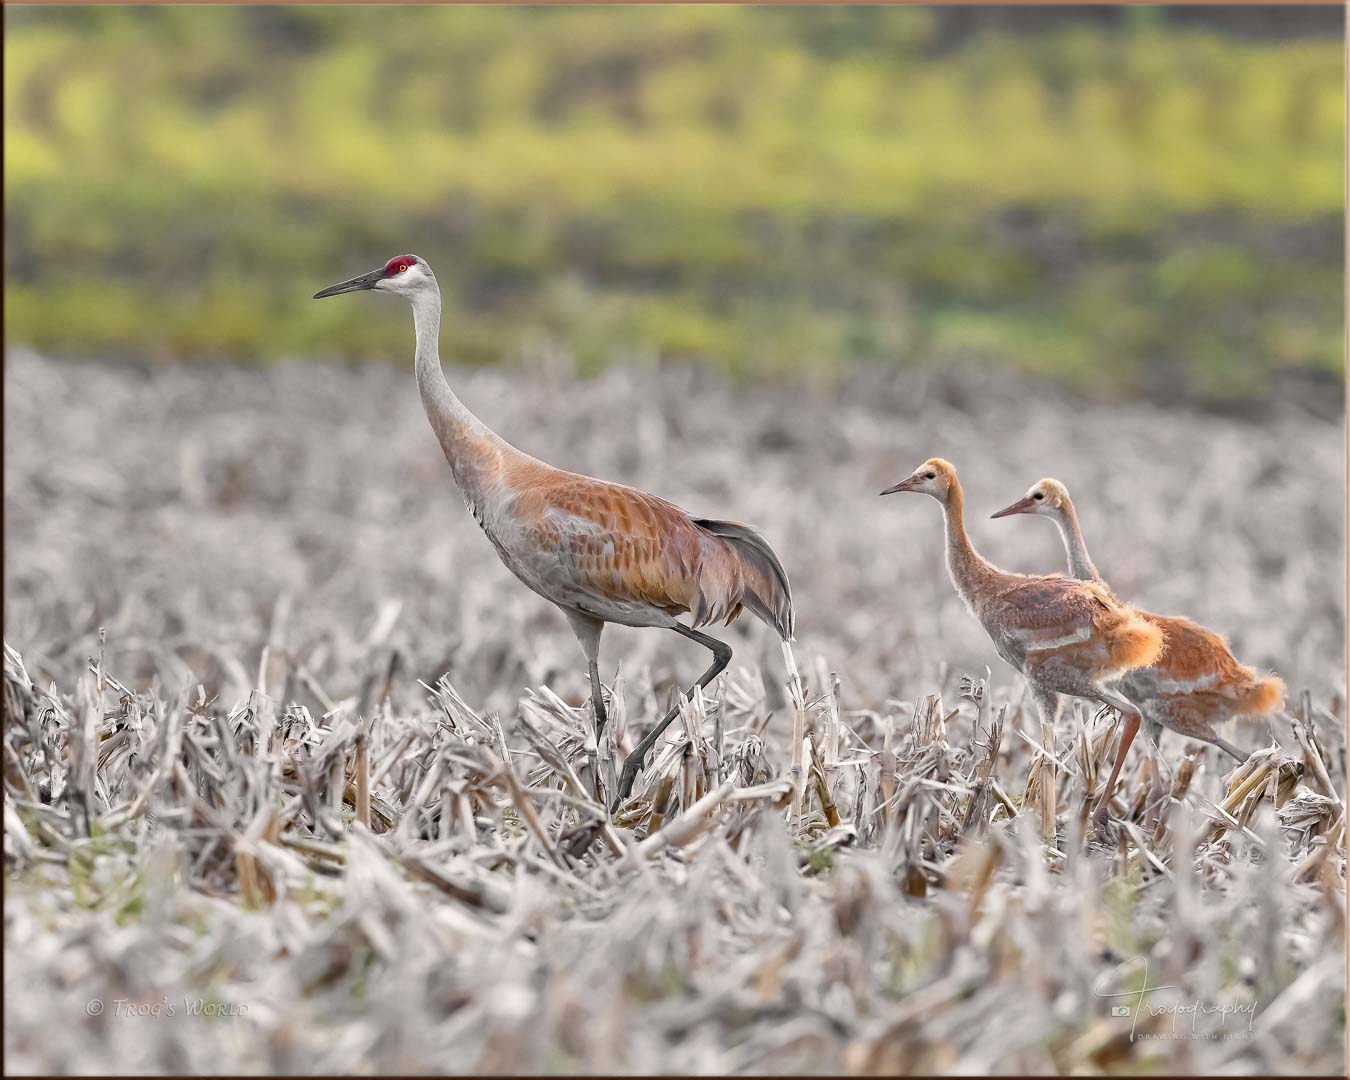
(908, 484)
(356, 284)
(1021, 506)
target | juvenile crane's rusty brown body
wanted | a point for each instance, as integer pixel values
(1197, 683)
(1066, 636)
(601, 552)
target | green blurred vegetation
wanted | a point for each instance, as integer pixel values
(770, 189)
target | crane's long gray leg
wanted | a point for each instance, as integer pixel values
(597, 699)
(721, 657)
(588, 631)
(1132, 716)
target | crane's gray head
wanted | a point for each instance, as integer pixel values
(406, 275)
(1048, 497)
(934, 477)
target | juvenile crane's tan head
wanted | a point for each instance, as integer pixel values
(406, 275)
(1047, 497)
(935, 477)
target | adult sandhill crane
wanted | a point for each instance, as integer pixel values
(1197, 682)
(601, 552)
(1066, 636)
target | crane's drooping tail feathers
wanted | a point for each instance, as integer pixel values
(1133, 643)
(766, 590)
(1255, 696)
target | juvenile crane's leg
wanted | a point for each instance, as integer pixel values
(1048, 704)
(1229, 748)
(1192, 715)
(1130, 714)
(721, 657)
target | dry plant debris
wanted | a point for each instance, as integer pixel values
(288, 828)
(435, 888)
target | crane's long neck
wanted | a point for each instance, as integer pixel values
(1080, 562)
(475, 452)
(969, 572)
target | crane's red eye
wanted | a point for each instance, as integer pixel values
(399, 264)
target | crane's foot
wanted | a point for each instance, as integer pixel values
(577, 843)
(626, 779)
(1101, 817)
(634, 760)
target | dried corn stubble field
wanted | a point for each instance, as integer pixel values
(251, 805)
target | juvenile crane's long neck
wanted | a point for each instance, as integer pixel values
(475, 452)
(969, 572)
(1080, 562)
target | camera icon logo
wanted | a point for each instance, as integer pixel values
(1120, 1010)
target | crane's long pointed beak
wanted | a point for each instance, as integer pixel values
(1021, 506)
(908, 484)
(356, 284)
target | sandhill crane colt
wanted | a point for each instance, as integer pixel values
(1197, 682)
(1066, 636)
(602, 552)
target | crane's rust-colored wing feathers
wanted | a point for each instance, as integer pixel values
(1045, 612)
(1054, 612)
(620, 546)
(1197, 660)
(619, 551)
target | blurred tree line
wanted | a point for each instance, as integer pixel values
(1136, 199)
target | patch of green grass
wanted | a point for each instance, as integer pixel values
(1120, 914)
(102, 877)
(767, 190)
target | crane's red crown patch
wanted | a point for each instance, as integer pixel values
(399, 263)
